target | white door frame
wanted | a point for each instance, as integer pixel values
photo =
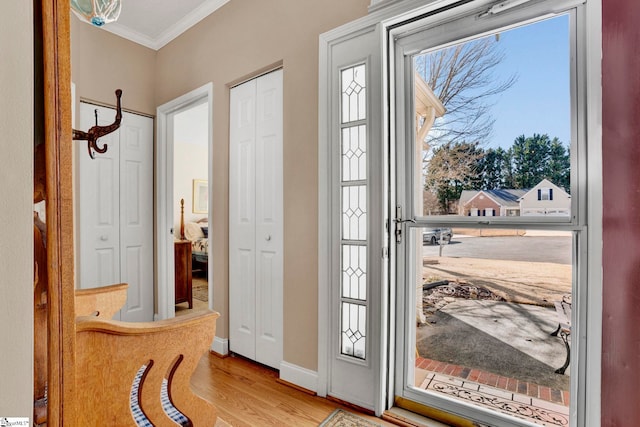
(389, 14)
(164, 194)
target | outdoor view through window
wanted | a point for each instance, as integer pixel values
(493, 129)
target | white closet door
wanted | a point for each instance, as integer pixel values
(269, 213)
(256, 227)
(136, 216)
(115, 210)
(98, 204)
(242, 222)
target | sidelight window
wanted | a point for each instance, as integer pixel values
(353, 245)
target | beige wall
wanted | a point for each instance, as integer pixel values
(239, 39)
(16, 218)
(190, 162)
(236, 42)
(102, 62)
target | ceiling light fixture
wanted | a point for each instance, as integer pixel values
(97, 12)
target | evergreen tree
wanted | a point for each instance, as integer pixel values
(494, 169)
(538, 157)
(559, 165)
(508, 174)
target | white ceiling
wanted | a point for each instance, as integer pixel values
(154, 23)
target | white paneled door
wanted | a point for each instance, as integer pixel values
(255, 220)
(115, 210)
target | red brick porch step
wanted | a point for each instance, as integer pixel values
(487, 378)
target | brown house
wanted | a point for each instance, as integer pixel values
(490, 202)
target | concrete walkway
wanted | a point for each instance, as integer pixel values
(506, 339)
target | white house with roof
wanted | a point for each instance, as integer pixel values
(546, 199)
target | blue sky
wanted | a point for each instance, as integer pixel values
(539, 101)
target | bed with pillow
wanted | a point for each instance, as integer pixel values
(197, 233)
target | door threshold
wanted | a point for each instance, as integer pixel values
(412, 414)
(405, 418)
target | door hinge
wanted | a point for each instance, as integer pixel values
(385, 253)
(399, 221)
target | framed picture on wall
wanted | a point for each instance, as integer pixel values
(200, 196)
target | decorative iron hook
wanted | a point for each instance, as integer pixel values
(92, 135)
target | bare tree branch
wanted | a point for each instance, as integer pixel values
(463, 78)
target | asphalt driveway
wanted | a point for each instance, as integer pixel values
(554, 249)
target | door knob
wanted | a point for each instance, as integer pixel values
(268, 237)
(104, 237)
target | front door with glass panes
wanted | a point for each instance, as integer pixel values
(490, 213)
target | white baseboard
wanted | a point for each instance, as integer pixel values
(299, 376)
(220, 346)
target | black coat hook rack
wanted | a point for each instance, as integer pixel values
(92, 135)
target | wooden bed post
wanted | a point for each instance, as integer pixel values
(59, 208)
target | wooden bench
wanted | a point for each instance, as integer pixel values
(563, 311)
(132, 374)
(135, 374)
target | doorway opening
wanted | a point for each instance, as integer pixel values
(191, 207)
(184, 172)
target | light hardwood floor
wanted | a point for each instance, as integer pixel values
(248, 394)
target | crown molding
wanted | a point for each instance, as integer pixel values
(191, 19)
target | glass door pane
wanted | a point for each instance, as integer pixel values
(489, 333)
(490, 156)
(493, 125)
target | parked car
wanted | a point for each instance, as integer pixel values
(434, 235)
